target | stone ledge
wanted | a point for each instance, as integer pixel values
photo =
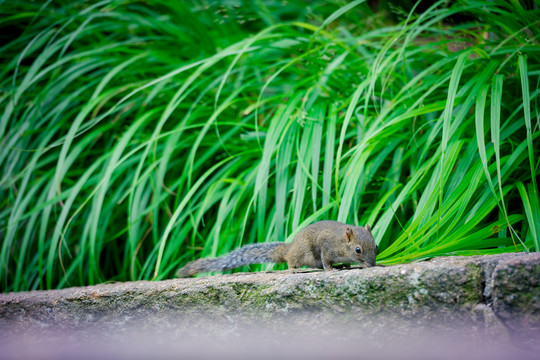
(494, 296)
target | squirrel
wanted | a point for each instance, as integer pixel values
(319, 245)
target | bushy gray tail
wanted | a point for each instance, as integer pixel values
(248, 254)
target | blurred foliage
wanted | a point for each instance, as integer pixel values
(137, 136)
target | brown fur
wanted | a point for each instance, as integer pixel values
(319, 245)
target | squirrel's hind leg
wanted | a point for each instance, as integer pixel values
(293, 268)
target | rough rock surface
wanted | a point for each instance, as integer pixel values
(480, 297)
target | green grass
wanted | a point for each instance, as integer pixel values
(137, 136)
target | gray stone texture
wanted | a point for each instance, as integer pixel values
(480, 298)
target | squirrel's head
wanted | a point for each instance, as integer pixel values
(361, 244)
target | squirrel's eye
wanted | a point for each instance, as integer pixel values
(358, 250)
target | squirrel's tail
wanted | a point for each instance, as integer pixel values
(248, 254)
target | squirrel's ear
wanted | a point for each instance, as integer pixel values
(368, 228)
(349, 234)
